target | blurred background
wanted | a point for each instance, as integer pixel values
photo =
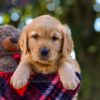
(83, 17)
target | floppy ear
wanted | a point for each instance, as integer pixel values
(67, 44)
(23, 41)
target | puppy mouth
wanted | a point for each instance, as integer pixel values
(44, 60)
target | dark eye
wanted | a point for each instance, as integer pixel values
(54, 38)
(35, 36)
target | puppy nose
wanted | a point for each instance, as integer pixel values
(44, 51)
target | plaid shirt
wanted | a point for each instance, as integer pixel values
(39, 87)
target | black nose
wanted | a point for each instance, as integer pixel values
(44, 51)
(14, 39)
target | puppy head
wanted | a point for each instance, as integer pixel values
(46, 39)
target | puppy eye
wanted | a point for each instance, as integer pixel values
(35, 36)
(54, 38)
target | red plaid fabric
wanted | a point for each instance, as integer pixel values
(39, 87)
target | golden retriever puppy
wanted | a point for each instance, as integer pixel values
(46, 46)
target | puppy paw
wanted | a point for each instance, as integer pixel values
(70, 82)
(18, 81)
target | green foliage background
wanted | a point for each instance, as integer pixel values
(80, 16)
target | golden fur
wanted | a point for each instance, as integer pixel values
(46, 31)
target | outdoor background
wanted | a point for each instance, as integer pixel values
(83, 17)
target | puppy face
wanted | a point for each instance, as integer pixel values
(45, 39)
(45, 44)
